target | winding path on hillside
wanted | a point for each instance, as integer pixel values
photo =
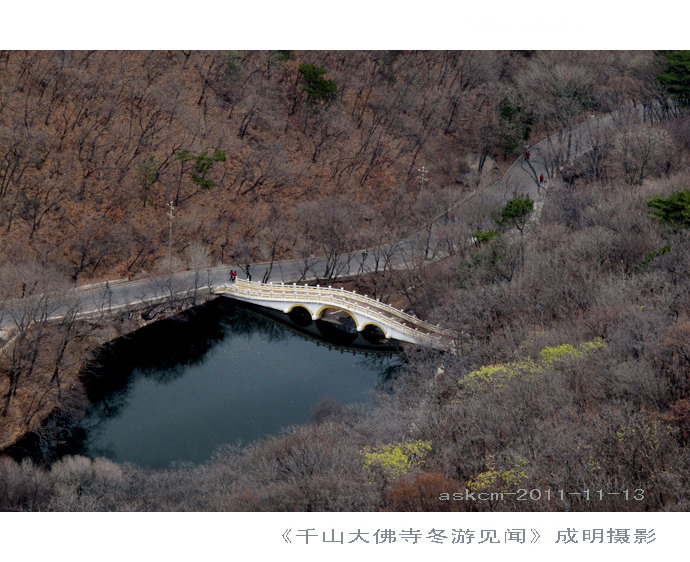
(522, 178)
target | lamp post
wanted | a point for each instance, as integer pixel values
(422, 177)
(171, 206)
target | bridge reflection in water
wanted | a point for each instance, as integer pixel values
(334, 334)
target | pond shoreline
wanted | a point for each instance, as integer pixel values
(188, 340)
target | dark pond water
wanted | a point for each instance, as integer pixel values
(177, 389)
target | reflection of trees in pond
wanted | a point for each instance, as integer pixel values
(247, 322)
(59, 435)
(387, 365)
(110, 404)
(333, 333)
(161, 351)
(92, 428)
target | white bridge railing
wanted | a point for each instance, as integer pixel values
(340, 298)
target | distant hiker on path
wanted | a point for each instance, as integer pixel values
(233, 275)
(527, 155)
(541, 178)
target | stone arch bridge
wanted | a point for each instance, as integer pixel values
(365, 311)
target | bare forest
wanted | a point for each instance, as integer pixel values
(572, 361)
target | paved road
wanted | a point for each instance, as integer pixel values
(522, 178)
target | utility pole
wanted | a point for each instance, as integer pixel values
(171, 206)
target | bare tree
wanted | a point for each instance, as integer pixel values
(641, 151)
(29, 319)
(332, 226)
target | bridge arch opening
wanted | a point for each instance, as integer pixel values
(340, 316)
(300, 315)
(335, 333)
(373, 333)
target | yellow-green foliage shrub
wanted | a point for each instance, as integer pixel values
(496, 376)
(495, 480)
(394, 460)
(551, 355)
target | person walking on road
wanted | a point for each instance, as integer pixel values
(527, 155)
(541, 179)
